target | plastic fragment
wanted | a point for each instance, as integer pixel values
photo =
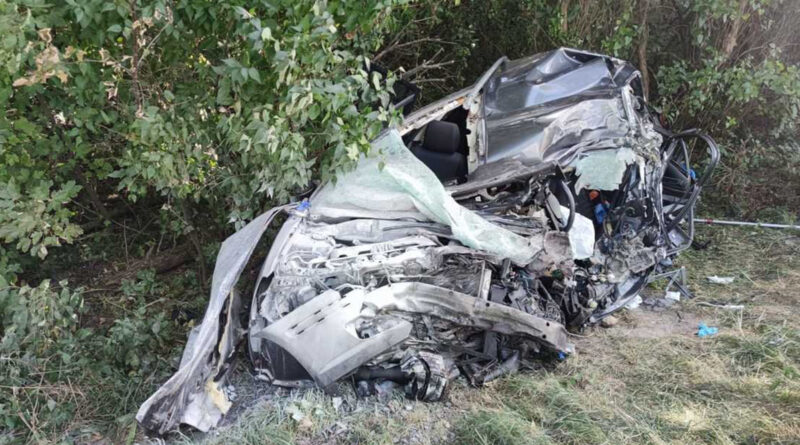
(692, 173)
(706, 331)
(581, 236)
(600, 211)
(634, 303)
(719, 280)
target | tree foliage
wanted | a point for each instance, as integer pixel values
(233, 104)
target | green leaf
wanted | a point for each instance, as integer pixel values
(253, 73)
(224, 92)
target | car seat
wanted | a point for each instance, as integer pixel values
(440, 151)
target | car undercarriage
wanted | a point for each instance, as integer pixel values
(469, 242)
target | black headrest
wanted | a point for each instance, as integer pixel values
(442, 137)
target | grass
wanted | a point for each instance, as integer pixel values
(648, 380)
(501, 426)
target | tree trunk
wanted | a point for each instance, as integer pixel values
(644, 7)
(564, 14)
(195, 240)
(731, 38)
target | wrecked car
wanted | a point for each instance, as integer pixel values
(468, 243)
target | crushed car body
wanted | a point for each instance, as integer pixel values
(468, 243)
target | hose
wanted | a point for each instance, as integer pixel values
(571, 205)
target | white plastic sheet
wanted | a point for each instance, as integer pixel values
(603, 169)
(405, 187)
(581, 236)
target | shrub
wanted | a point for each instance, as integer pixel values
(40, 339)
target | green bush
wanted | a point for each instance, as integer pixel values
(33, 220)
(40, 338)
(194, 100)
(53, 368)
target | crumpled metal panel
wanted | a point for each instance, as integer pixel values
(547, 77)
(321, 336)
(466, 310)
(321, 333)
(552, 106)
(192, 395)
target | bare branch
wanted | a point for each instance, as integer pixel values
(433, 80)
(396, 45)
(425, 67)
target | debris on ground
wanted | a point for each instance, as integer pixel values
(658, 304)
(706, 331)
(719, 280)
(488, 224)
(730, 307)
(634, 303)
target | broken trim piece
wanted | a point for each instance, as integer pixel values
(321, 336)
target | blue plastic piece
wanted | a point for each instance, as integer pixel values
(692, 174)
(562, 356)
(305, 205)
(706, 331)
(600, 211)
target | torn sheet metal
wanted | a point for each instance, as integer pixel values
(555, 105)
(192, 395)
(467, 311)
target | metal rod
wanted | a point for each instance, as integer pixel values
(745, 223)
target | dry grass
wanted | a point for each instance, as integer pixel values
(648, 380)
